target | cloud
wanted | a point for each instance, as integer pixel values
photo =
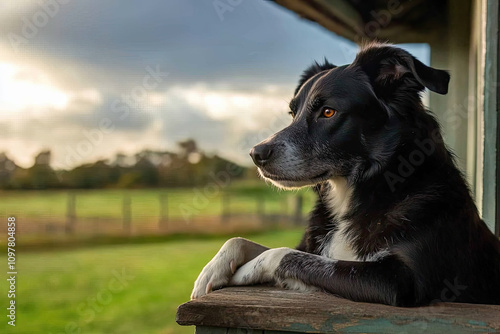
(226, 121)
(184, 36)
(228, 86)
(24, 88)
(220, 119)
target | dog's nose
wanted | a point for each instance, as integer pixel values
(261, 154)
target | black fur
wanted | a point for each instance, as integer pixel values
(420, 211)
(312, 70)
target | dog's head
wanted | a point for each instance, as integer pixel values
(348, 120)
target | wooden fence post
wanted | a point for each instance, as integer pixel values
(70, 213)
(126, 211)
(298, 210)
(163, 222)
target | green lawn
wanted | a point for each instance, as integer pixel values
(77, 291)
(106, 204)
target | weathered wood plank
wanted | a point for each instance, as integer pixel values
(268, 308)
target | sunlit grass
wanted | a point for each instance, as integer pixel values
(60, 291)
(107, 204)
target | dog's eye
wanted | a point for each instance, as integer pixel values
(328, 112)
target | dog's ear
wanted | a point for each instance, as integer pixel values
(385, 65)
(311, 71)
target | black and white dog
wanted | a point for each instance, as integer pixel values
(394, 222)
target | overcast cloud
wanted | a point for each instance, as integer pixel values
(100, 77)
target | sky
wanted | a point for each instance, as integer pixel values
(88, 79)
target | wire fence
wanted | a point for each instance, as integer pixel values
(163, 213)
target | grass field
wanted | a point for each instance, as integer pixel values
(107, 204)
(78, 291)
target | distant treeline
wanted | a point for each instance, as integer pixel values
(186, 168)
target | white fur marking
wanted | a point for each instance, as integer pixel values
(295, 284)
(262, 268)
(219, 270)
(337, 246)
(339, 196)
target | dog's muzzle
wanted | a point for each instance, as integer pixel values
(261, 154)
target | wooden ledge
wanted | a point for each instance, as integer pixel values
(272, 309)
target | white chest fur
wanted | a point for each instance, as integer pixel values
(339, 197)
(337, 245)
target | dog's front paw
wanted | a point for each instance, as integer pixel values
(220, 269)
(215, 275)
(262, 269)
